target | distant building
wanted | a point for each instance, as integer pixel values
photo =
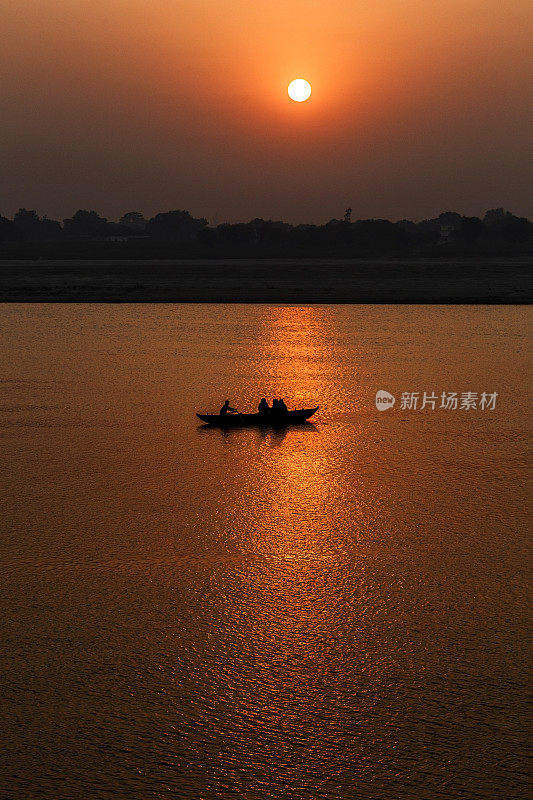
(446, 232)
(448, 224)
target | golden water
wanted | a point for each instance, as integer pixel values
(335, 611)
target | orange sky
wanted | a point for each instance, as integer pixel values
(148, 105)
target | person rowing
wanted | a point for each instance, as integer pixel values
(227, 409)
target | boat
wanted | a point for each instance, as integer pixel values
(296, 417)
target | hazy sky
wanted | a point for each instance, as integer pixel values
(418, 106)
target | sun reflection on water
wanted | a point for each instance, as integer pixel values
(294, 517)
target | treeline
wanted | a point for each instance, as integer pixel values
(87, 226)
(178, 234)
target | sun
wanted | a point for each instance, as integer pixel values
(299, 90)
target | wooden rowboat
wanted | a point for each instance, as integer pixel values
(258, 420)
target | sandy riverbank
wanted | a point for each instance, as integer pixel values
(503, 280)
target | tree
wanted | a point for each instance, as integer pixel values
(174, 226)
(495, 216)
(26, 220)
(134, 221)
(471, 229)
(34, 228)
(516, 229)
(9, 231)
(502, 224)
(85, 225)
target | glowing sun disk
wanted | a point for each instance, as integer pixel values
(299, 90)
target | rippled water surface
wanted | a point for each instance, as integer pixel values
(328, 612)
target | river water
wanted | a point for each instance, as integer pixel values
(327, 612)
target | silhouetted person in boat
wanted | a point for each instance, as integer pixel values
(226, 408)
(263, 407)
(279, 408)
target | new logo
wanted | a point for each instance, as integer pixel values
(384, 400)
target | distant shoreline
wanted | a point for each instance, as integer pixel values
(498, 280)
